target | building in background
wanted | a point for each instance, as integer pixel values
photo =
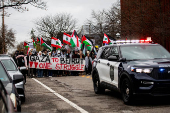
(146, 18)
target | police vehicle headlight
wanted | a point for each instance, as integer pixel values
(13, 99)
(141, 70)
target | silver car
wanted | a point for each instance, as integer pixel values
(12, 69)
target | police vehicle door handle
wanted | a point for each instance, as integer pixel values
(108, 64)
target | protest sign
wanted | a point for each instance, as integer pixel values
(56, 63)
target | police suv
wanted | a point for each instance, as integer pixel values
(133, 68)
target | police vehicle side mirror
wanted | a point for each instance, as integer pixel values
(17, 78)
(112, 58)
(122, 59)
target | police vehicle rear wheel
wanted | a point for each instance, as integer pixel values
(126, 91)
(96, 84)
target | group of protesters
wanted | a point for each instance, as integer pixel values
(22, 60)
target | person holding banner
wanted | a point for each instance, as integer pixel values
(45, 55)
(50, 72)
(81, 55)
(76, 55)
(54, 53)
(40, 71)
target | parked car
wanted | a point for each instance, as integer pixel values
(6, 105)
(12, 69)
(4, 55)
(8, 83)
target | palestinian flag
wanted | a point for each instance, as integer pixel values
(106, 39)
(111, 42)
(66, 38)
(87, 42)
(38, 40)
(26, 45)
(45, 44)
(75, 41)
(56, 43)
(34, 43)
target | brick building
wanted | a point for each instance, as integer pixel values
(146, 18)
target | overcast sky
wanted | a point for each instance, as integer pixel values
(22, 23)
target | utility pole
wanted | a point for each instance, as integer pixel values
(3, 30)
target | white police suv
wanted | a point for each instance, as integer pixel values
(134, 68)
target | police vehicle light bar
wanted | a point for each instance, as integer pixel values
(133, 41)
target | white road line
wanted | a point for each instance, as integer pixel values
(61, 97)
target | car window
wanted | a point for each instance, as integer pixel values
(99, 53)
(3, 74)
(9, 65)
(113, 51)
(105, 53)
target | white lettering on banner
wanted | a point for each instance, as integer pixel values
(55, 63)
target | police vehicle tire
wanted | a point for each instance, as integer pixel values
(126, 91)
(96, 84)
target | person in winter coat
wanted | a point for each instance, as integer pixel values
(40, 71)
(88, 64)
(76, 55)
(30, 70)
(22, 62)
(50, 72)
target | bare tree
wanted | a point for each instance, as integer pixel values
(9, 40)
(52, 26)
(141, 19)
(17, 4)
(113, 20)
(105, 22)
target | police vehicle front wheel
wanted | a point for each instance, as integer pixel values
(126, 91)
(96, 84)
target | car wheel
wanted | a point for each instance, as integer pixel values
(96, 84)
(126, 91)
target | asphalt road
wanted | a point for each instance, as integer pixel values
(75, 94)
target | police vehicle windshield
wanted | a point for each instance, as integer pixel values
(134, 52)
